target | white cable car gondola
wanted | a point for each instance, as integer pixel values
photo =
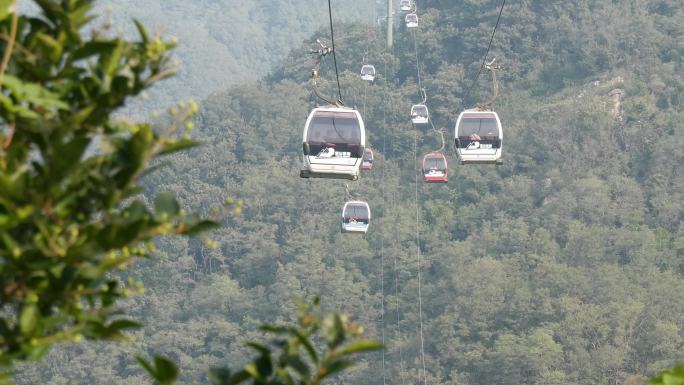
(479, 137)
(368, 72)
(420, 114)
(367, 162)
(356, 217)
(435, 168)
(411, 20)
(405, 5)
(333, 143)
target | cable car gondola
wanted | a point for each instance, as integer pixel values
(411, 20)
(368, 72)
(420, 114)
(355, 217)
(367, 161)
(333, 143)
(479, 137)
(435, 168)
(405, 5)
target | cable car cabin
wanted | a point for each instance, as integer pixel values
(368, 72)
(367, 161)
(333, 143)
(435, 168)
(411, 20)
(405, 5)
(479, 137)
(420, 114)
(355, 217)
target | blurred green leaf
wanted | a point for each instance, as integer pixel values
(178, 145)
(201, 227)
(165, 203)
(219, 376)
(359, 347)
(162, 370)
(336, 367)
(28, 320)
(5, 8)
(675, 376)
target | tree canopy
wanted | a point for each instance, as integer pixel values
(563, 266)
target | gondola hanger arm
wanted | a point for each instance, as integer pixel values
(321, 52)
(495, 85)
(441, 135)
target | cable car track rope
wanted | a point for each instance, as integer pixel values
(420, 82)
(332, 39)
(420, 259)
(418, 251)
(382, 235)
(402, 364)
(484, 59)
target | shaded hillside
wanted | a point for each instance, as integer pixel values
(224, 42)
(563, 266)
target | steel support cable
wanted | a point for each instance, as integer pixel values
(420, 258)
(420, 82)
(402, 364)
(418, 251)
(484, 59)
(332, 39)
(382, 237)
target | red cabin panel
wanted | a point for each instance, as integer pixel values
(435, 168)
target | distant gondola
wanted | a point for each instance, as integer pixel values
(411, 20)
(368, 72)
(405, 5)
(420, 114)
(355, 217)
(435, 168)
(367, 162)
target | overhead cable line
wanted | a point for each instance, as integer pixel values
(402, 365)
(418, 251)
(415, 48)
(382, 236)
(420, 260)
(484, 59)
(332, 38)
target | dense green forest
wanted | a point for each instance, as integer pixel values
(225, 42)
(563, 266)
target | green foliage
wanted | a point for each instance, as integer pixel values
(292, 356)
(675, 376)
(561, 267)
(221, 43)
(71, 215)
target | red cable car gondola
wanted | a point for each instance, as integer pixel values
(367, 160)
(435, 168)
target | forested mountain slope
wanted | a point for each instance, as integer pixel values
(563, 266)
(223, 42)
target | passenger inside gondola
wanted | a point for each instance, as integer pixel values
(420, 111)
(434, 163)
(478, 129)
(356, 214)
(339, 130)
